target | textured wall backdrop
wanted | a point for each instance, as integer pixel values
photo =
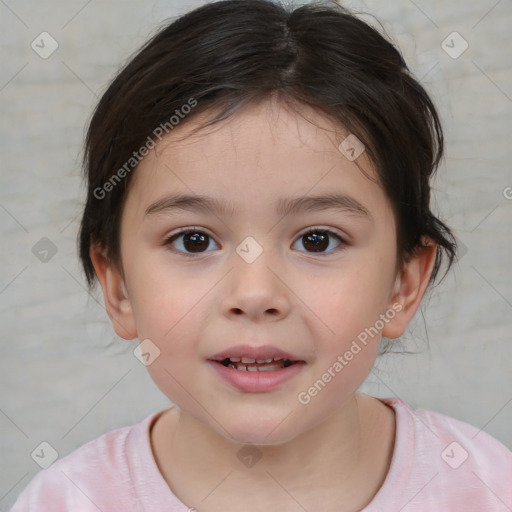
(66, 378)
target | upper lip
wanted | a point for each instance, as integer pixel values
(249, 351)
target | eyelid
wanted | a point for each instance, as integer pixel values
(325, 229)
(187, 229)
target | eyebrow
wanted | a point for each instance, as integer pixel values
(285, 206)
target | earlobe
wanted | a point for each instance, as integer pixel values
(115, 294)
(410, 287)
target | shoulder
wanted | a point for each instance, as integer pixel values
(460, 442)
(95, 476)
(442, 463)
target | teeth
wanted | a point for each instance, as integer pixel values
(269, 360)
(270, 368)
(249, 360)
(249, 364)
(247, 368)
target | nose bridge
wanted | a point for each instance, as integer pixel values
(255, 285)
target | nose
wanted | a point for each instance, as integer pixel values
(256, 291)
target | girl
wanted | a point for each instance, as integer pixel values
(258, 218)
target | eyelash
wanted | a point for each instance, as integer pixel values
(184, 231)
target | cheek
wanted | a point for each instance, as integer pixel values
(171, 319)
(163, 296)
(166, 315)
(349, 299)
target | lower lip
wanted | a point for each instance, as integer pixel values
(256, 382)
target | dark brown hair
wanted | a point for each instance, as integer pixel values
(227, 54)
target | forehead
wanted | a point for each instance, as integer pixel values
(259, 155)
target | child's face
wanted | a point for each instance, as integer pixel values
(311, 305)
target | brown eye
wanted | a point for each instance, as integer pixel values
(319, 240)
(316, 242)
(195, 242)
(190, 241)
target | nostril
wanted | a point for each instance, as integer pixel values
(238, 311)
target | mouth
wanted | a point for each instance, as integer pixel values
(248, 364)
(247, 358)
(252, 369)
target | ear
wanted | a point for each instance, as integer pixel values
(115, 294)
(409, 289)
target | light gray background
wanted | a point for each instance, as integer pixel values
(66, 378)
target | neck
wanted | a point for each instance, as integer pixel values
(342, 458)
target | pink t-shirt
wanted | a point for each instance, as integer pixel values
(438, 464)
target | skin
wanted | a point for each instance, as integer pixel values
(334, 452)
